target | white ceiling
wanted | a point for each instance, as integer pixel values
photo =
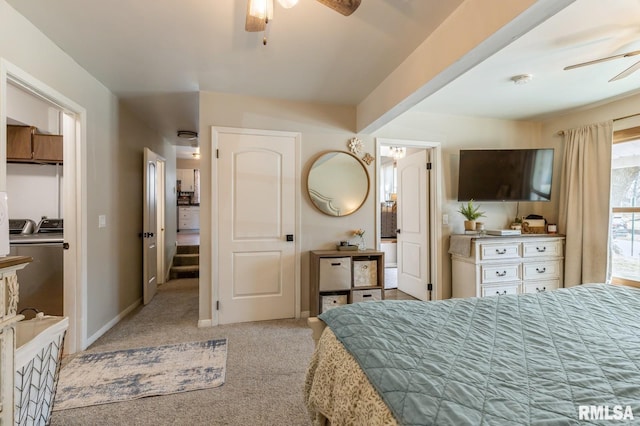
(157, 54)
(583, 31)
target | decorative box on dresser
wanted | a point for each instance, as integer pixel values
(339, 277)
(8, 318)
(497, 265)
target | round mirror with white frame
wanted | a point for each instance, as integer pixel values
(338, 183)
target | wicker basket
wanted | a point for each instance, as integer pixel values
(38, 355)
(534, 227)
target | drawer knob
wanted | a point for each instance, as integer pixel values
(500, 294)
(501, 274)
(541, 271)
(503, 251)
(541, 249)
(540, 291)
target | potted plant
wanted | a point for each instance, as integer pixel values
(471, 213)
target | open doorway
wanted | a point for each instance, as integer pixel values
(408, 186)
(186, 262)
(62, 122)
(388, 219)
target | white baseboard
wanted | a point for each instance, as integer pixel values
(205, 323)
(113, 322)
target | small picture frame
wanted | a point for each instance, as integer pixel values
(552, 228)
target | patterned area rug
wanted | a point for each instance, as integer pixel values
(102, 378)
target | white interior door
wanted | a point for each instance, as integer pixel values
(413, 224)
(257, 211)
(149, 228)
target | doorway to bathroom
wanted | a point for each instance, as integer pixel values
(407, 185)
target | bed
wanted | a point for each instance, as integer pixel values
(563, 357)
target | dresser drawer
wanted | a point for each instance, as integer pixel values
(499, 251)
(541, 286)
(499, 290)
(186, 224)
(542, 249)
(500, 273)
(541, 270)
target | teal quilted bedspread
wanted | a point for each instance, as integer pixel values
(527, 359)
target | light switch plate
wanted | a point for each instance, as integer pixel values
(102, 221)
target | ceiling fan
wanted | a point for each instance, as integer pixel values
(260, 12)
(633, 68)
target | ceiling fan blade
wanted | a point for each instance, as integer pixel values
(608, 58)
(633, 68)
(346, 7)
(253, 24)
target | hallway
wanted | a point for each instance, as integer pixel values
(263, 387)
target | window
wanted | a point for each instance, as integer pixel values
(625, 207)
(388, 179)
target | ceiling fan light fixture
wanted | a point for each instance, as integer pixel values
(287, 4)
(522, 79)
(261, 9)
(398, 152)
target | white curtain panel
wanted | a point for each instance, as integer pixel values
(584, 202)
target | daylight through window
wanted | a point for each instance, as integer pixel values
(625, 207)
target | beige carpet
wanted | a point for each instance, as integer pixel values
(266, 365)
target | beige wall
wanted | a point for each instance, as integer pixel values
(134, 137)
(113, 185)
(455, 133)
(323, 128)
(183, 163)
(326, 127)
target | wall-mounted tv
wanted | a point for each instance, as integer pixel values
(505, 174)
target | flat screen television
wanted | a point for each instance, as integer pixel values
(505, 174)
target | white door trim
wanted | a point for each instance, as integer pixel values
(434, 205)
(75, 208)
(215, 280)
(161, 225)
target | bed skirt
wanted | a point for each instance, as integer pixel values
(336, 390)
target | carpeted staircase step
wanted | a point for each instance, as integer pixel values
(188, 271)
(186, 259)
(188, 249)
(186, 262)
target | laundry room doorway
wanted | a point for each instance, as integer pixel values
(19, 91)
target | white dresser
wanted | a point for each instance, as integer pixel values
(188, 218)
(493, 266)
